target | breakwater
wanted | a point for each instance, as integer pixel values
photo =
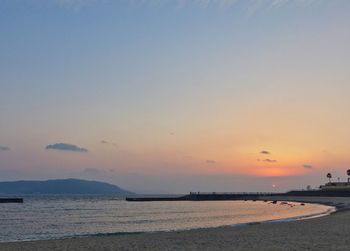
(205, 197)
(241, 196)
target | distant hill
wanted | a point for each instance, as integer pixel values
(63, 186)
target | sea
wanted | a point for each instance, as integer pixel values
(54, 217)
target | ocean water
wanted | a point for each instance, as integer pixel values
(40, 218)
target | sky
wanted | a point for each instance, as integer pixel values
(173, 96)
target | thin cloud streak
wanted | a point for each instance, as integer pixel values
(270, 160)
(267, 160)
(307, 166)
(105, 142)
(210, 162)
(4, 148)
(65, 147)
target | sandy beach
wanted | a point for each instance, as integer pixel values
(323, 233)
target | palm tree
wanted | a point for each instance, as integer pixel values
(329, 176)
(348, 172)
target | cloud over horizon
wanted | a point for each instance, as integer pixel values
(265, 152)
(267, 160)
(65, 147)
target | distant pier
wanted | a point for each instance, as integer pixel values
(11, 200)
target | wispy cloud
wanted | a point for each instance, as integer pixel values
(307, 166)
(4, 148)
(90, 170)
(105, 142)
(267, 160)
(65, 147)
(210, 162)
(270, 160)
(265, 152)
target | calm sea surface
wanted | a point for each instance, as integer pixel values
(56, 217)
